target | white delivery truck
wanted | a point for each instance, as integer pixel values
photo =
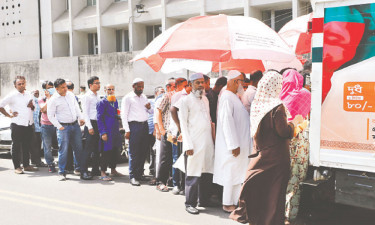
(342, 126)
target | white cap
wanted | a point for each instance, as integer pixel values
(137, 80)
(196, 76)
(233, 74)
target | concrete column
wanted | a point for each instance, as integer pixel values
(251, 11)
(106, 36)
(165, 21)
(137, 31)
(296, 8)
(202, 7)
(75, 37)
(273, 19)
(46, 22)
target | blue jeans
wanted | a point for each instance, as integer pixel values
(175, 172)
(47, 137)
(71, 135)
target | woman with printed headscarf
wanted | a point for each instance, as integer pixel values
(298, 102)
(262, 199)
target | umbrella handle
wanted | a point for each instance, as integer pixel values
(220, 74)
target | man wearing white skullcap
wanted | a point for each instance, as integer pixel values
(198, 146)
(134, 114)
(232, 142)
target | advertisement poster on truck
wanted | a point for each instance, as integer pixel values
(348, 82)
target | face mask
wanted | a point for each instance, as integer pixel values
(51, 91)
(111, 98)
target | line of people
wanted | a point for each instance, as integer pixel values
(202, 139)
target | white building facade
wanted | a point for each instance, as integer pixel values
(61, 28)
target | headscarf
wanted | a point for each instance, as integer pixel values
(266, 98)
(296, 99)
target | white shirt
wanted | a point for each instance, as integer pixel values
(248, 97)
(63, 109)
(89, 101)
(233, 131)
(18, 103)
(133, 109)
(196, 132)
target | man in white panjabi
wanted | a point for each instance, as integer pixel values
(198, 146)
(232, 146)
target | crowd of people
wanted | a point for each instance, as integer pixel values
(242, 140)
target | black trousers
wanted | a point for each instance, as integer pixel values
(91, 148)
(180, 173)
(166, 160)
(108, 158)
(137, 148)
(36, 149)
(151, 142)
(196, 188)
(21, 141)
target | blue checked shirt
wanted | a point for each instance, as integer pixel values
(36, 115)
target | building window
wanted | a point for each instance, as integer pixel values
(122, 40)
(93, 43)
(152, 32)
(91, 2)
(282, 17)
(266, 17)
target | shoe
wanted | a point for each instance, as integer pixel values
(85, 176)
(41, 164)
(30, 168)
(105, 178)
(95, 173)
(51, 169)
(62, 177)
(192, 210)
(182, 192)
(77, 172)
(18, 170)
(134, 182)
(175, 190)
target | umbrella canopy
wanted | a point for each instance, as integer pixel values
(207, 40)
(296, 34)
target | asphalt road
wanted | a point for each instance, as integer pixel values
(39, 198)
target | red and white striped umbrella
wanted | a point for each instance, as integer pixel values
(296, 34)
(206, 42)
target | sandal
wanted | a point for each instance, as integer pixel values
(162, 188)
(117, 174)
(153, 182)
(105, 178)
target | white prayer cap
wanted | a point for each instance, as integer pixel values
(233, 74)
(196, 76)
(137, 80)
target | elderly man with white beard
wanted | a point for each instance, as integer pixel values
(232, 146)
(198, 146)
